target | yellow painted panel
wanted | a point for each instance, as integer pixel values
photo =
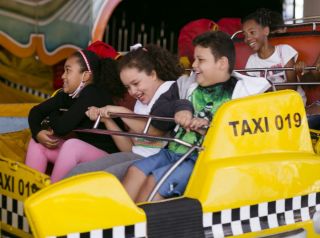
(80, 204)
(257, 149)
(17, 182)
(272, 122)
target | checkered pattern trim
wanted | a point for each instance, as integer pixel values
(238, 221)
(24, 88)
(133, 231)
(11, 212)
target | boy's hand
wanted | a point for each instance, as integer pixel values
(197, 124)
(183, 118)
(47, 139)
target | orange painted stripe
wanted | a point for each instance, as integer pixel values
(36, 46)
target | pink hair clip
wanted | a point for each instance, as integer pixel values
(85, 60)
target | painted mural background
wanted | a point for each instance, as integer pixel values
(37, 35)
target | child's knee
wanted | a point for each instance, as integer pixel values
(133, 170)
(150, 182)
(71, 143)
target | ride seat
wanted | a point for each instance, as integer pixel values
(305, 28)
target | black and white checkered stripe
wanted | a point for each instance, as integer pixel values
(238, 221)
(133, 231)
(11, 212)
(24, 88)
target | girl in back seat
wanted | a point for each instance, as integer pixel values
(256, 28)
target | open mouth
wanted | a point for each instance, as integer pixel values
(140, 97)
(252, 44)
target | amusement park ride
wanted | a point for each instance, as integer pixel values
(257, 174)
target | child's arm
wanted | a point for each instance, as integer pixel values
(291, 75)
(123, 143)
(75, 115)
(39, 112)
(309, 76)
(134, 124)
(168, 105)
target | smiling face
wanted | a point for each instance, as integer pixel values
(139, 84)
(209, 71)
(72, 75)
(255, 35)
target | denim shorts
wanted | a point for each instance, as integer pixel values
(314, 121)
(159, 163)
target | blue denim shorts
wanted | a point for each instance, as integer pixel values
(159, 163)
(314, 121)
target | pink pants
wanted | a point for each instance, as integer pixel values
(66, 156)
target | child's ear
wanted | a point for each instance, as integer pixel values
(153, 74)
(224, 63)
(266, 31)
(87, 76)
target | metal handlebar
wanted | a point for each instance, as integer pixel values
(139, 135)
(274, 69)
(268, 69)
(133, 134)
(273, 84)
(134, 115)
(96, 123)
(170, 170)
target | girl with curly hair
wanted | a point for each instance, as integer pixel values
(90, 78)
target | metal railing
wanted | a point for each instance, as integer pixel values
(274, 84)
(293, 25)
(146, 136)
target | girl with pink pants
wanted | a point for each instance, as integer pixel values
(63, 158)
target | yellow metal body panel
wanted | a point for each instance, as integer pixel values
(254, 179)
(80, 204)
(247, 137)
(258, 150)
(282, 126)
(17, 182)
(254, 153)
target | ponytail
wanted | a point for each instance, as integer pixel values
(108, 78)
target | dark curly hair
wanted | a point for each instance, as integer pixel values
(262, 16)
(105, 73)
(266, 18)
(110, 78)
(153, 57)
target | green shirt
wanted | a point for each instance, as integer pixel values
(206, 102)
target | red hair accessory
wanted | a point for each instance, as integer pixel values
(103, 50)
